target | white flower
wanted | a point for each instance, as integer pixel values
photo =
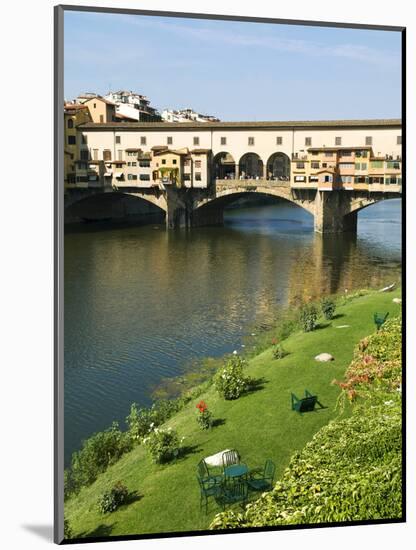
(152, 424)
(388, 402)
(235, 352)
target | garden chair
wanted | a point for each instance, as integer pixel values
(305, 404)
(380, 319)
(229, 458)
(205, 476)
(263, 480)
(233, 493)
(207, 490)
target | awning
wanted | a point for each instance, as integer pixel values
(119, 175)
(108, 174)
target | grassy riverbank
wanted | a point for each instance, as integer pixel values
(260, 425)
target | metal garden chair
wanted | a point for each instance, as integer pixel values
(380, 319)
(204, 474)
(234, 493)
(263, 480)
(305, 404)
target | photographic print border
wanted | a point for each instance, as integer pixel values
(59, 12)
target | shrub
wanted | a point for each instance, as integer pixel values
(307, 317)
(350, 471)
(163, 445)
(328, 308)
(97, 453)
(230, 381)
(112, 499)
(279, 352)
(204, 417)
(67, 530)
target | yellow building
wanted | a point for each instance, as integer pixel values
(74, 115)
(101, 110)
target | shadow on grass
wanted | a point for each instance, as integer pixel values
(320, 326)
(255, 385)
(132, 497)
(100, 531)
(218, 422)
(338, 316)
(188, 450)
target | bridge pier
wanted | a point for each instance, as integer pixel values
(330, 213)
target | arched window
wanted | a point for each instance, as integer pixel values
(70, 123)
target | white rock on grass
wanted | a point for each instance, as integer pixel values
(397, 300)
(324, 357)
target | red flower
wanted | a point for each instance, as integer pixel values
(202, 406)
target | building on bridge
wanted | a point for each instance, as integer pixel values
(330, 168)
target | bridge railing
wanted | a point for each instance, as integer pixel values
(261, 182)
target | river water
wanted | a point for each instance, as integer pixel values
(141, 302)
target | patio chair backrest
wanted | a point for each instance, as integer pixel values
(229, 458)
(269, 469)
(202, 469)
(307, 404)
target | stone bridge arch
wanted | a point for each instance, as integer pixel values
(210, 210)
(91, 205)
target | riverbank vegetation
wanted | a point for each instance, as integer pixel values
(161, 484)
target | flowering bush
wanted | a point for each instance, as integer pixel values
(204, 417)
(328, 308)
(163, 445)
(307, 318)
(230, 381)
(114, 498)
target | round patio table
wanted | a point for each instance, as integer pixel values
(236, 470)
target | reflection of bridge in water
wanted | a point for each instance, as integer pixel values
(333, 211)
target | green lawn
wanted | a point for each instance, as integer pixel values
(259, 425)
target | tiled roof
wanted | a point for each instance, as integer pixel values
(269, 125)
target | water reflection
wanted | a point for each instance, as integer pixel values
(141, 302)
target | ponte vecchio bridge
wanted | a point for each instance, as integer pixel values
(192, 171)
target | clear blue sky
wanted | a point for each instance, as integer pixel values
(236, 70)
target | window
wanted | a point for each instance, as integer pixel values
(174, 161)
(118, 140)
(101, 118)
(163, 161)
(346, 153)
(300, 166)
(72, 140)
(300, 178)
(279, 140)
(95, 154)
(198, 176)
(196, 140)
(95, 105)
(198, 164)
(314, 164)
(143, 140)
(346, 179)
(84, 155)
(313, 179)
(338, 141)
(82, 165)
(399, 140)
(251, 140)
(223, 141)
(145, 177)
(82, 178)
(132, 164)
(324, 165)
(328, 179)
(369, 140)
(393, 165)
(361, 166)
(144, 163)
(308, 141)
(347, 166)
(187, 162)
(187, 177)
(169, 140)
(70, 123)
(131, 177)
(329, 153)
(106, 155)
(376, 164)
